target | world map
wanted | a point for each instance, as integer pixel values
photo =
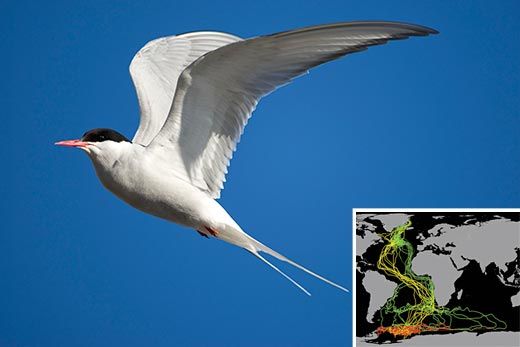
(438, 278)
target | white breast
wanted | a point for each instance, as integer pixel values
(143, 181)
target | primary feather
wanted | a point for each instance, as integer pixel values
(217, 93)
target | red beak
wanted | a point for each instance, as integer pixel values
(72, 143)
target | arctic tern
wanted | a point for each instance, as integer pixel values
(196, 93)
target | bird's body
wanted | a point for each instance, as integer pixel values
(129, 172)
(196, 92)
(131, 175)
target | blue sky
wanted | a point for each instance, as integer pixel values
(426, 122)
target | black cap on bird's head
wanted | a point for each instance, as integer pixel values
(103, 134)
(94, 135)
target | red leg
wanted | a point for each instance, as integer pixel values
(213, 232)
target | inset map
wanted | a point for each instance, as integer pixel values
(438, 278)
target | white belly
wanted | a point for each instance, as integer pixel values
(161, 194)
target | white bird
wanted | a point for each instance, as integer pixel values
(196, 92)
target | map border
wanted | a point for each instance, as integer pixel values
(399, 210)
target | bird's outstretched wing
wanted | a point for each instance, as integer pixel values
(156, 68)
(217, 93)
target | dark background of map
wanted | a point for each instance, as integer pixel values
(481, 287)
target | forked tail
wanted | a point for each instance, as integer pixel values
(255, 247)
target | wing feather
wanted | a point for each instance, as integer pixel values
(218, 92)
(156, 68)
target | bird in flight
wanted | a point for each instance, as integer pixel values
(196, 93)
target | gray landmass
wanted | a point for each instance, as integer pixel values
(498, 339)
(441, 270)
(438, 230)
(493, 241)
(362, 243)
(486, 243)
(515, 300)
(393, 220)
(389, 221)
(380, 290)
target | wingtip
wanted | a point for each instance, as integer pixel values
(430, 31)
(420, 29)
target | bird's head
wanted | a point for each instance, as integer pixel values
(96, 141)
